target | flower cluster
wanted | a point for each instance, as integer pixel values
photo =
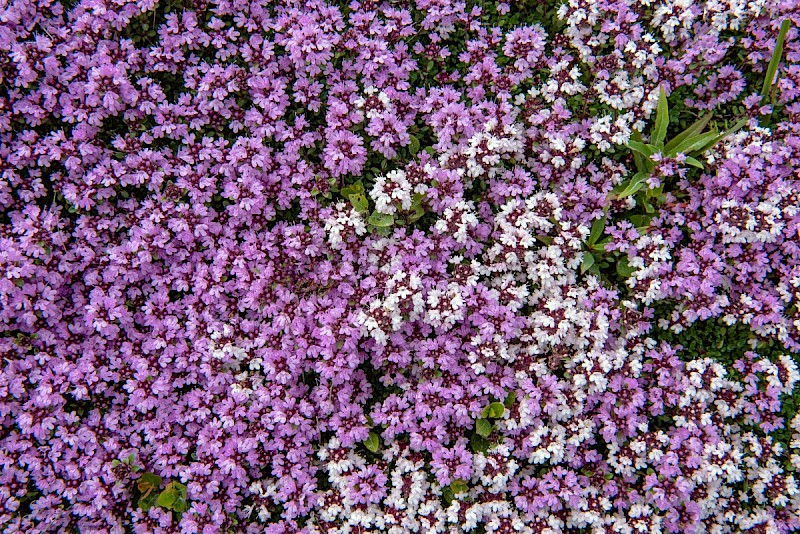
(378, 266)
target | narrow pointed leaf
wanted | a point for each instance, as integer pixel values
(772, 69)
(733, 129)
(647, 150)
(694, 143)
(629, 188)
(694, 162)
(659, 132)
(696, 127)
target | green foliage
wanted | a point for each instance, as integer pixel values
(483, 427)
(495, 410)
(772, 69)
(148, 485)
(373, 442)
(173, 497)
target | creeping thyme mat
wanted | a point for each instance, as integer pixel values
(400, 267)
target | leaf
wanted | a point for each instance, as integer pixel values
(638, 160)
(173, 497)
(483, 427)
(647, 150)
(359, 202)
(694, 162)
(694, 143)
(380, 220)
(659, 131)
(413, 145)
(373, 442)
(588, 261)
(459, 486)
(479, 443)
(772, 69)
(496, 410)
(353, 189)
(624, 268)
(733, 129)
(597, 230)
(696, 127)
(147, 501)
(630, 188)
(510, 400)
(148, 482)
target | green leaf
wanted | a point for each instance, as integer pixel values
(510, 400)
(373, 442)
(413, 145)
(597, 230)
(627, 189)
(588, 261)
(694, 162)
(647, 150)
(380, 220)
(694, 143)
(479, 443)
(353, 189)
(483, 427)
(173, 497)
(772, 69)
(638, 160)
(659, 131)
(459, 486)
(359, 202)
(148, 482)
(733, 129)
(496, 410)
(147, 501)
(624, 268)
(696, 127)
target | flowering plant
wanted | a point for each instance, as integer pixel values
(407, 267)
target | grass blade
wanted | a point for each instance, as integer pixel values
(772, 69)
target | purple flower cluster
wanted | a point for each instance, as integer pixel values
(325, 266)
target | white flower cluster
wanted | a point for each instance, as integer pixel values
(652, 259)
(394, 190)
(345, 219)
(486, 149)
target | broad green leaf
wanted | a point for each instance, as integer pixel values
(483, 427)
(479, 443)
(588, 261)
(597, 230)
(380, 220)
(624, 268)
(173, 497)
(772, 69)
(148, 482)
(147, 501)
(459, 486)
(659, 132)
(496, 410)
(510, 399)
(373, 442)
(696, 127)
(359, 202)
(413, 145)
(353, 189)
(640, 220)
